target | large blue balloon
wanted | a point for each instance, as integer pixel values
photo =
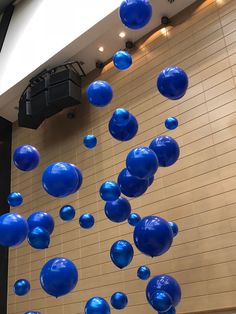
(120, 117)
(121, 253)
(118, 210)
(109, 191)
(58, 277)
(143, 272)
(15, 199)
(164, 283)
(135, 14)
(131, 186)
(39, 238)
(166, 149)
(80, 178)
(21, 287)
(122, 60)
(134, 219)
(142, 162)
(161, 301)
(90, 141)
(13, 229)
(97, 305)
(171, 123)
(26, 157)
(119, 300)
(153, 236)
(67, 212)
(172, 83)
(174, 227)
(123, 132)
(86, 221)
(99, 93)
(41, 219)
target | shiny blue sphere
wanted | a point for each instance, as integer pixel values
(15, 199)
(109, 191)
(26, 157)
(121, 253)
(134, 219)
(131, 186)
(39, 238)
(135, 14)
(118, 210)
(143, 272)
(172, 83)
(153, 236)
(174, 227)
(122, 60)
(166, 149)
(86, 221)
(97, 305)
(21, 287)
(41, 219)
(90, 141)
(13, 229)
(67, 213)
(142, 162)
(123, 132)
(121, 117)
(119, 300)
(161, 301)
(171, 123)
(58, 276)
(99, 93)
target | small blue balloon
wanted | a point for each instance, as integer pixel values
(119, 300)
(134, 219)
(121, 253)
(58, 276)
(123, 132)
(15, 199)
(86, 221)
(135, 14)
(41, 219)
(131, 186)
(67, 212)
(166, 149)
(143, 272)
(97, 305)
(122, 60)
(171, 123)
(90, 141)
(172, 83)
(150, 180)
(39, 238)
(118, 210)
(174, 228)
(99, 93)
(26, 157)
(32, 312)
(21, 287)
(13, 229)
(161, 301)
(121, 117)
(109, 191)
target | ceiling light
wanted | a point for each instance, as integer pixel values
(101, 49)
(122, 35)
(164, 31)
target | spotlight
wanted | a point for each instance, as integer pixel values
(122, 34)
(99, 65)
(165, 20)
(129, 44)
(101, 49)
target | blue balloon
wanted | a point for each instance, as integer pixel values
(150, 180)
(166, 149)
(80, 178)
(15, 199)
(21, 287)
(172, 83)
(153, 236)
(119, 300)
(41, 219)
(67, 212)
(39, 238)
(142, 162)
(134, 219)
(26, 157)
(171, 123)
(135, 14)
(99, 93)
(32, 312)
(131, 186)
(118, 210)
(143, 272)
(97, 305)
(161, 301)
(174, 228)
(121, 117)
(13, 229)
(58, 277)
(121, 253)
(109, 191)
(86, 221)
(90, 141)
(122, 60)
(123, 132)
(164, 283)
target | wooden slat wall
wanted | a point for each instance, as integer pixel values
(198, 192)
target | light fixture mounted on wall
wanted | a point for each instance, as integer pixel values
(122, 35)
(101, 49)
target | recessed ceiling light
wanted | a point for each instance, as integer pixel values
(101, 49)
(122, 34)
(164, 31)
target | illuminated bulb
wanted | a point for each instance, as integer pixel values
(164, 31)
(122, 34)
(101, 49)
